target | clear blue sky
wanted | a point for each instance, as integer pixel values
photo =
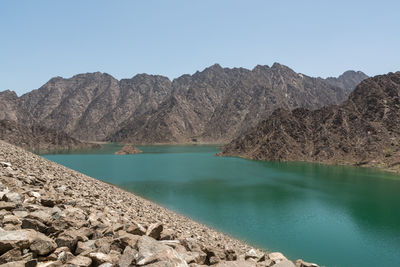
(42, 39)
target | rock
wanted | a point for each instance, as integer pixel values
(5, 164)
(150, 251)
(33, 224)
(34, 194)
(128, 257)
(253, 254)
(85, 247)
(81, 261)
(284, 263)
(16, 239)
(240, 263)
(14, 264)
(100, 258)
(168, 234)
(155, 230)
(7, 205)
(42, 245)
(136, 229)
(301, 263)
(12, 219)
(11, 255)
(13, 197)
(128, 149)
(276, 257)
(65, 256)
(48, 202)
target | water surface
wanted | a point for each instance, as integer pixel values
(332, 215)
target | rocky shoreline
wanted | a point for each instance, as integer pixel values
(54, 216)
(128, 149)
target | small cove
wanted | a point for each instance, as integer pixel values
(332, 215)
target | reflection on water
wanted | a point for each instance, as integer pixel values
(333, 215)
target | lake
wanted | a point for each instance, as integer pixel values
(331, 215)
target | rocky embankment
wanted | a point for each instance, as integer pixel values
(128, 149)
(53, 216)
(363, 131)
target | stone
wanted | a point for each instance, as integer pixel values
(16, 239)
(301, 263)
(12, 219)
(284, 263)
(167, 234)
(240, 263)
(7, 205)
(48, 202)
(81, 261)
(33, 224)
(85, 247)
(128, 257)
(13, 197)
(65, 256)
(14, 264)
(42, 245)
(253, 254)
(276, 257)
(136, 229)
(34, 194)
(100, 258)
(149, 251)
(11, 255)
(155, 230)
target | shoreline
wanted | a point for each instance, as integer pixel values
(121, 207)
(326, 163)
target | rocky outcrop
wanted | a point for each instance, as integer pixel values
(364, 130)
(213, 105)
(128, 149)
(38, 138)
(53, 216)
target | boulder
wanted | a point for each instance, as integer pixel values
(284, 263)
(11, 255)
(136, 229)
(42, 245)
(100, 258)
(128, 257)
(21, 239)
(7, 205)
(150, 251)
(276, 257)
(81, 261)
(155, 230)
(301, 263)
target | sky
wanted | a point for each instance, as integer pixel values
(46, 38)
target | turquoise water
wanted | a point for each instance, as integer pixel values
(332, 215)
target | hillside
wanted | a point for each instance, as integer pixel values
(38, 138)
(214, 105)
(364, 130)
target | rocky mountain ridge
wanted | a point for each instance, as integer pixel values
(214, 105)
(364, 130)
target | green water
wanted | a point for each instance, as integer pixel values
(332, 215)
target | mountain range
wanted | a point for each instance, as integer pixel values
(211, 106)
(364, 130)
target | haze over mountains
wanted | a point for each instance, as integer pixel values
(364, 130)
(214, 105)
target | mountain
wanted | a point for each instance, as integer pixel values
(364, 130)
(38, 138)
(218, 104)
(214, 105)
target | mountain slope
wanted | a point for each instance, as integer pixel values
(38, 138)
(214, 105)
(218, 104)
(364, 130)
